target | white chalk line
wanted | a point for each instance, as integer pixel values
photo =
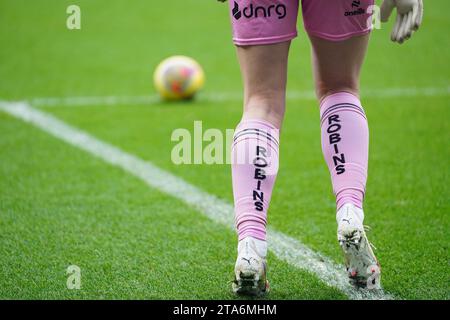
(225, 97)
(284, 247)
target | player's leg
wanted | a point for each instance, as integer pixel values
(255, 157)
(345, 137)
(262, 32)
(338, 54)
(345, 146)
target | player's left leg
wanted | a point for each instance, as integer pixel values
(345, 145)
(262, 31)
(255, 158)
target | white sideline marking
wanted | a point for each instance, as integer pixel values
(227, 96)
(220, 211)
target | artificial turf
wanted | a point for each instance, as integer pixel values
(60, 206)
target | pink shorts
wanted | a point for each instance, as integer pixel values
(270, 21)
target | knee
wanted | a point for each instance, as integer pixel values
(269, 107)
(326, 88)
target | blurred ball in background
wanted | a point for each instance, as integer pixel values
(178, 78)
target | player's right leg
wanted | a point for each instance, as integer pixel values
(262, 31)
(338, 48)
(345, 145)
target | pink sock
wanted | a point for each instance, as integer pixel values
(345, 146)
(254, 170)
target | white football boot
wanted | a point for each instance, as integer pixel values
(362, 266)
(250, 268)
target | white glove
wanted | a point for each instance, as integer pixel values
(409, 17)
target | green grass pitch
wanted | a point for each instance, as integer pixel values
(60, 206)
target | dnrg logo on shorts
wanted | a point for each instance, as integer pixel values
(251, 11)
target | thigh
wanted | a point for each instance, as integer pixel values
(337, 64)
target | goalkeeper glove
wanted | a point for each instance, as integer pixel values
(409, 17)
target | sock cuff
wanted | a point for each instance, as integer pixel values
(342, 96)
(256, 123)
(257, 129)
(338, 102)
